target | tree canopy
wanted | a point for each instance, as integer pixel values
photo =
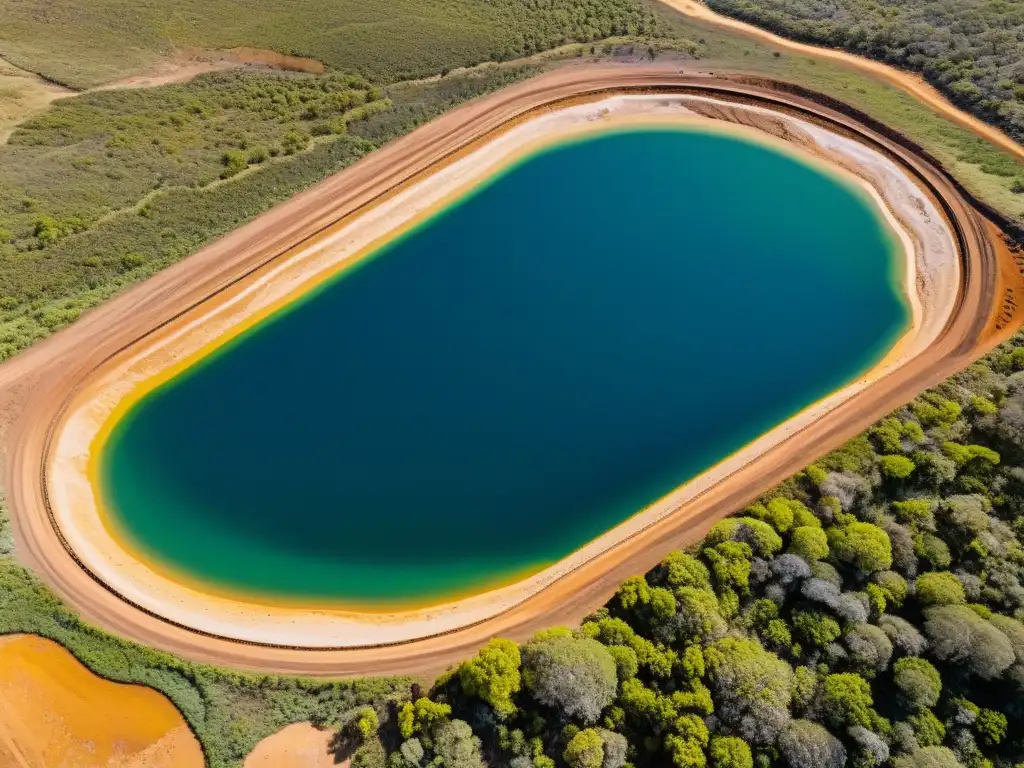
(574, 675)
(848, 618)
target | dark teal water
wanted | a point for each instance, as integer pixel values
(514, 377)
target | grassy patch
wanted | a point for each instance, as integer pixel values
(6, 534)
(87, 43)
(100, 152)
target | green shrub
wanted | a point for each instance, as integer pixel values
(939, 588)
(257, 155)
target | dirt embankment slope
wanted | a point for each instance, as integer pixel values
(35, 386)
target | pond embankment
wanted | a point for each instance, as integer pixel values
(247, 273)
(929, 276)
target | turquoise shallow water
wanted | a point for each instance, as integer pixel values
(514, 377)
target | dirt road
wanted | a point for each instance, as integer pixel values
(35, 387)
(912, 84)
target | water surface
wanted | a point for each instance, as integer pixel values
(514, 377)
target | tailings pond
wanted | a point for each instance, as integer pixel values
(513, 377)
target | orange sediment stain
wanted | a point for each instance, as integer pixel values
(277, 60)
(55, 713)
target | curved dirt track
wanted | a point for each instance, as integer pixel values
(35, 387)
(911, 83)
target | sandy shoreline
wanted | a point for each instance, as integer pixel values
(36, 386)
(931, 272)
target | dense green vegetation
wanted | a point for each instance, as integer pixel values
(970, 49)
(83, 44)
(866, 612)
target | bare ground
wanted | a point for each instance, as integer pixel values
(298, 745)
(190, 62)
